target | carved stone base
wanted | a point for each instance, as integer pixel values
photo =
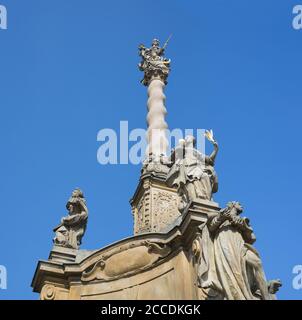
(202, 206)
(154, 205)
(62, 254)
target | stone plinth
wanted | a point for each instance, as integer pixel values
(61, 254)
(154, 205)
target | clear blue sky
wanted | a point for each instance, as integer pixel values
(69, 69)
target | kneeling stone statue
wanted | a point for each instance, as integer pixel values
(70, 231)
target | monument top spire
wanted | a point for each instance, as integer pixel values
(154, 64)
(156, 68)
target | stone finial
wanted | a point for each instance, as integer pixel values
(154, 64)
(70, 231)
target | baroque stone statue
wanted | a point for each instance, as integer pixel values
(153, 63)
(70, 231)
(192, 172)
(228, 263)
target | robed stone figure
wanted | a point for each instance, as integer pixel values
(192, 172)
(70, 231)
(229, 264)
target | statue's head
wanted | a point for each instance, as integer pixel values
(155, 43)
(181, 142)
(77, 193)
(77, 196)
(235, 205)
(190, 141)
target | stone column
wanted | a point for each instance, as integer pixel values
(156, 69)
(156, 133)
(154, 204)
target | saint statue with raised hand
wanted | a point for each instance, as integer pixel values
(192, 172)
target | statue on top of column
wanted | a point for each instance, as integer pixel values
(154, 64)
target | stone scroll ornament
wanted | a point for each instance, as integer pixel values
(192, 172)
(70, 231)
(126, 260)
(228, 264)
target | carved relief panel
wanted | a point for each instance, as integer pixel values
(155, 208)
(164, 209)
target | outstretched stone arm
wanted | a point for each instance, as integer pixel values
(74, 220)
(161, 51)
(242, 224)
(142, 48)
(216, 222)
(239, 222)
(213, 155)
(274, 285)
(84, 207)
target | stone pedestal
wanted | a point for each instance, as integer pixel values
(61, 254)
(154, 205)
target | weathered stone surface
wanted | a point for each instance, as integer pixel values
(154, 205)
(227, 265)
(161, 267)
(154, 64)
(192, 173)
(63, 254)
(139, 256)
(70, 231)
(184, 262)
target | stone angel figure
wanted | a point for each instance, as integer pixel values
(192, 172)
(70, 231)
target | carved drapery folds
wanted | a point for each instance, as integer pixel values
(70, 231)
(227, 265)
(192, 172)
